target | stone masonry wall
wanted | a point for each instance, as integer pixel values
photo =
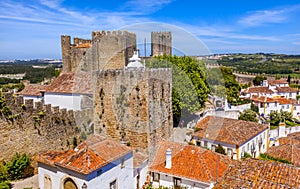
(134, 106)
(36, 128)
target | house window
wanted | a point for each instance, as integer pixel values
(155, 177)
(268, 105)
(243, 151)
(229, 152)
(288, 106)
(248, 146)
(177, 181)
(275, 104)
(122, 163)
(205, 143)
(198, 143)
(290, 95)
(295, 108)
(113, 185)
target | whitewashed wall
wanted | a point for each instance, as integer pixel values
(167, 181)
(142, 170)
(68, 101)
(240, 108)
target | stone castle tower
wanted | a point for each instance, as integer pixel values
(132, 105)
(106, 50)
(161, 43)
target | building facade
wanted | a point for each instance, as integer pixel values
(96, 163)
(236, 137)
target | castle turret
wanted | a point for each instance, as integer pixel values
(161, 43)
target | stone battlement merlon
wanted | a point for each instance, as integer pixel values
(97, 34)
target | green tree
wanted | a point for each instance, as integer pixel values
(5, 185)
(220, 150)
(4, 176)
(17, 165)
(232, 86)
(282, 116)
(249, 115)
(258, 80)
(189, 87)
(289, 79)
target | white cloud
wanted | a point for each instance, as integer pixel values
(262, 17)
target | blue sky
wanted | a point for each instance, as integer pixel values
(32, 28)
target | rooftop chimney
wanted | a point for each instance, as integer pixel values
(168, 158)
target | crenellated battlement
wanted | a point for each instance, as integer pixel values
(106, 50)
(103, 33)
(30, 106)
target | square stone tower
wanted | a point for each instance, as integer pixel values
(161, 43)
(134, 106)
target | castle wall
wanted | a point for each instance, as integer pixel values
(134, 106)
(161, 43)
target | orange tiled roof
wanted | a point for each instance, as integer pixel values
(285, 101)
(286, 90)
(277, 82)
(289, 148)
(84, 45)
(262, 99)
(191, 162)
(252, 173)
(258, 89)
(138, 158)
(230, 131)
(290, 152)
(32, 90)
(70, 83)
(87, 157)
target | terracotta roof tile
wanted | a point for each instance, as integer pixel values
(230, 131)
(191, 162)
(262, 99)
(87, 157)
(32, 90)
(258, 89)
(286, 90)
(138, 158)
(70, 83)
(277, 82)
(252, 173)
(289, 148)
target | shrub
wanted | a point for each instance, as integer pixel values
(220, 150)
(17, 165)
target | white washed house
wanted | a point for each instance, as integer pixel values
(179, 165)
(94, 164)
(271, 89)
(32, 91)
(72, 91)
(266, 105)
(235, 136)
